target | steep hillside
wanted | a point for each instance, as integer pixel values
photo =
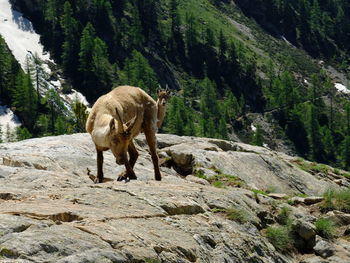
(233, 203)
(238, 70)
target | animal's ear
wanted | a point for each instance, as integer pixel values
(130, 124)
(158, 92)
(112, 124)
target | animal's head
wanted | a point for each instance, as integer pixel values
(120, 137)
(163, 97)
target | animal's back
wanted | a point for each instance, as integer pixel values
(129, 101)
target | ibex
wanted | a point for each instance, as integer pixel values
(115, 119)
(163, 97)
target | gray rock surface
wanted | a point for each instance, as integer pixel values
(323, 248)
(51, 211)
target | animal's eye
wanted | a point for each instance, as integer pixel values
(115, 139)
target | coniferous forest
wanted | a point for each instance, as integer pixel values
(220, 76)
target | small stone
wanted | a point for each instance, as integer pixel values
(313, 200)
(304, 229)
(297, 200)
(338, 217)
(323, 248)
(277, 196)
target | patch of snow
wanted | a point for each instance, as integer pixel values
(77, 96)
(265, 145)
(342, 88)
(8, 120)
(253, 127)
(24, 43)
(19, 34)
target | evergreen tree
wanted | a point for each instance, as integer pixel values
(56, 108)
(5, 70)
(317, 147)
(70, 47)
(346, 153)
(25, 100)
(258, 138)
(22, 133)
(222, 128)
(80, 116)
(138, 72)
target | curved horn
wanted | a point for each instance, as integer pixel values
(119, 120)
(130, 124)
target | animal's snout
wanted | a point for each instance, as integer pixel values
(119, 161)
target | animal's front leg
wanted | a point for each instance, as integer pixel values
(99, 178)
(129, 173)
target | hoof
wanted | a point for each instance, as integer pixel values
(158, 178)
(97, 180)
(122, 178)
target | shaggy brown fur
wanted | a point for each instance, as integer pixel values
(115, 119)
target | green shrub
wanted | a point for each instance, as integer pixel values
(223, 180)
(256, 191)
(283, 216)
(218, 184)
(325, 228)
(200, 174)
(279, 238)
(336, 200)
(238, 215)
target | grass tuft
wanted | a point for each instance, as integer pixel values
(325, 228)
(283, 216)
(336, 200)
(279, 238)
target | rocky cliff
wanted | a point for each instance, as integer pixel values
(51, 211)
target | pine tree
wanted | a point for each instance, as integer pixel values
(222, 128)
(317, 147)
(258, 138)
(22, 133)
(346, 153)
(70, 47)
(80, 116)
(4, 70)
(138, 72)
(25, 100)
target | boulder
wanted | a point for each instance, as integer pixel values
(323, 248)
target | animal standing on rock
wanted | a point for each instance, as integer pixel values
(115, 119)
(163, 98)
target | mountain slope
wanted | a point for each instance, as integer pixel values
(59, 215)
(227, 70)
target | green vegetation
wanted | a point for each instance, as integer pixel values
(336, 200)
(325, 228)
(238, 215)
(220, 180)
(279, 237)
(283, 217)
(221, 71)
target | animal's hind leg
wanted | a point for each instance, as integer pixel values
(152, 144)
(99, 178)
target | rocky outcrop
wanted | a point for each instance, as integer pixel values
(51, 211)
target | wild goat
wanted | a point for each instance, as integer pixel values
(163, 97)
(115, 119)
